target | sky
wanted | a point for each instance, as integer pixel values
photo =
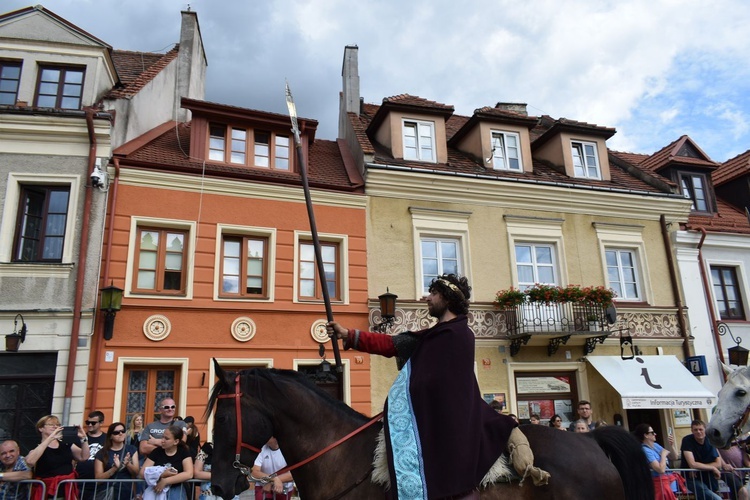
(652, 69)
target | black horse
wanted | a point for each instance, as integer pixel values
(305, 420)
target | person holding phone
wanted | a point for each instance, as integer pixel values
(167, 467)
(53, 459)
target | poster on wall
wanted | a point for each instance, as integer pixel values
(495, 396)
(542, 384)
(545, 408)
(564, 408)
(682, 417)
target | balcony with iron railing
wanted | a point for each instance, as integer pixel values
(556, 323)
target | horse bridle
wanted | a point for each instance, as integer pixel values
(246, 471)
(740, 423)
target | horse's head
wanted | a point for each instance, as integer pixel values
(230, 397)
(730, 415)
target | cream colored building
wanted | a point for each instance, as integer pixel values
(510, 200)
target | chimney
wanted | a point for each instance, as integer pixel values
(191, 64)
(350, 79)
(513, 107)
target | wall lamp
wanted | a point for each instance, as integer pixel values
(111, 302)
(15, 339)
(387, 311)
(737, 354)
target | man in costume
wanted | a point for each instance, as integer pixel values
(441, 436)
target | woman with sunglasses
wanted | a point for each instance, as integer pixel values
(657, 457)
(556, 422)
(117, 460)
(169, 467)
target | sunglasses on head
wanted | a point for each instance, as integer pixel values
(92, 422)
(117, 433)
(168, 407)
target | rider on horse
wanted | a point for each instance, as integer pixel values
(441, 436)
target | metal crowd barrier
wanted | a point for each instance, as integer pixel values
(728, 487)
(21, 490)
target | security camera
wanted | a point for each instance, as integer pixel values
(99, 177)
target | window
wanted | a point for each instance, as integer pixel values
(727, 292)
(622, 273)
(265, 143)
(60, 87)
(269, 150)
(535, 264)
(439, 256)
(244, 266)
(146, 388)
(585, 159)
(505, 151)
(161, 261)
(419, 141)
(216, 142)
(309, 280)
(41, 222)
(10, 75)
(694, 188)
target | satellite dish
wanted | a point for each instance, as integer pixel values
(611, 314)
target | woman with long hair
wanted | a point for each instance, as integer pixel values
(134, 429)
(556, 422)
(171, 465)
(53, 459)
(117, 460)
(657, 458)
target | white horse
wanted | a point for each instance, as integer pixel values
(730, 417)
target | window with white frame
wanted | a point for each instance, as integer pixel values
(419, 140)
(439, 256)
(624, 260)
(535, 263)
(308, 285)
(622, 273)
(506, 151)
(585, 159)
(727, 292)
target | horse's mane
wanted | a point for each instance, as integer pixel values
(282, 380)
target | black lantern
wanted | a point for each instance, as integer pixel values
(737, 354)
(14, 340)
(111, 302)
(387, 311)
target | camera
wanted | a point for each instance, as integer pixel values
(99, 177)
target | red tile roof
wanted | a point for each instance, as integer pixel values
(728, 219)
(412, 100)
(732, 169)
(136, 69)
(670, 154)
(463, 163)
(167, 151)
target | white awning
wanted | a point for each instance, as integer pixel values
(653, 382)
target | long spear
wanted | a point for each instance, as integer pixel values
(313, 226)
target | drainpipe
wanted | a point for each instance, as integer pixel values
(81, 271)
(99, 339)
(707, 293)
(675, 287)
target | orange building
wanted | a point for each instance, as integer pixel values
(207, 233)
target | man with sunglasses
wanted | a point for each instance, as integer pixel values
(151, 437)
(96, 438)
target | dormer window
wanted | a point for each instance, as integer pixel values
(10, 76)
(694, 188)
(419, 140)
(505, 151)
(255, 148)
(59, 87)
(585, 159)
